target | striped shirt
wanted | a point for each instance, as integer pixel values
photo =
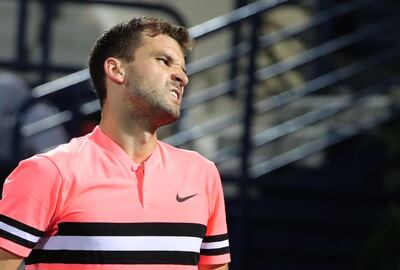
(86, 205)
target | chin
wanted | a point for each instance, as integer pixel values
(173, 118)
(173, 114)
(167, 117)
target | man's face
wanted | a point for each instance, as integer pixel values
(155, 80)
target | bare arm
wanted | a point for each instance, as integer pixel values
(9, 261)
(213, 267)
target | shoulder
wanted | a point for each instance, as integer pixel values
(183, 155)
(58, 160)
(190, 161)
(58, 154)
(66, 151)
(37, 173)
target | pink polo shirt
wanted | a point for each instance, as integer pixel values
(86, 205)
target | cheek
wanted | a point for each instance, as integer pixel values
(144, 75)
(146, 80)
(142, 89)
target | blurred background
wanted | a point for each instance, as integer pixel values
(297, 102)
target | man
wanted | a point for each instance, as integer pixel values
(118, 198)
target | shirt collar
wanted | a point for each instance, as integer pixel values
(108, 144)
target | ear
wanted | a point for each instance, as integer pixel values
(114, 70)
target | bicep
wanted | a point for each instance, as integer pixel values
(9, 261)
(213, 267)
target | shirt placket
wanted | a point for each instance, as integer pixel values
(138, 171)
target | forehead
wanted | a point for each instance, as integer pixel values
(161, 44)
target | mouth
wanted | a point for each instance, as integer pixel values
(176, 94)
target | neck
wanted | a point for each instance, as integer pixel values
(135, 138)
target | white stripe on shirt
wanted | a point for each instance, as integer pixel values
(18, 232)
(121, 243)
(215, 245)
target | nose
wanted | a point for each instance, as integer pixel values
(180, 76)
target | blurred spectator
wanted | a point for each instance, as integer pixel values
(14, 93)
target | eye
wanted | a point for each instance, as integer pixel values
(163, 61)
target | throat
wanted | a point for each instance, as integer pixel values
(137, 143)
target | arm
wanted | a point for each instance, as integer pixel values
(213, 267)
(9, 261)
(214, 250)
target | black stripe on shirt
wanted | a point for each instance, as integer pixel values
(131, 229)
(21, 226)
(215, 238)
(16, 239)
(216, 251)
(112, 257)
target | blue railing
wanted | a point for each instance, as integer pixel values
(321, 114)
(44, 66)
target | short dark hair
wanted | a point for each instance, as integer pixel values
(122, 40)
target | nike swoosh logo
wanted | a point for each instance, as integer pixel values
(182, 199)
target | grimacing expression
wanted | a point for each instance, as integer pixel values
(156, 78)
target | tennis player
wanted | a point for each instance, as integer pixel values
(118, 198)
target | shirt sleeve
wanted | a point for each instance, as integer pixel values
(28, 204)
(215, 246)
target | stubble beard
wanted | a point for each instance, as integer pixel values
(149, 103)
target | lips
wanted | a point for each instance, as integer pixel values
(176, 93)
